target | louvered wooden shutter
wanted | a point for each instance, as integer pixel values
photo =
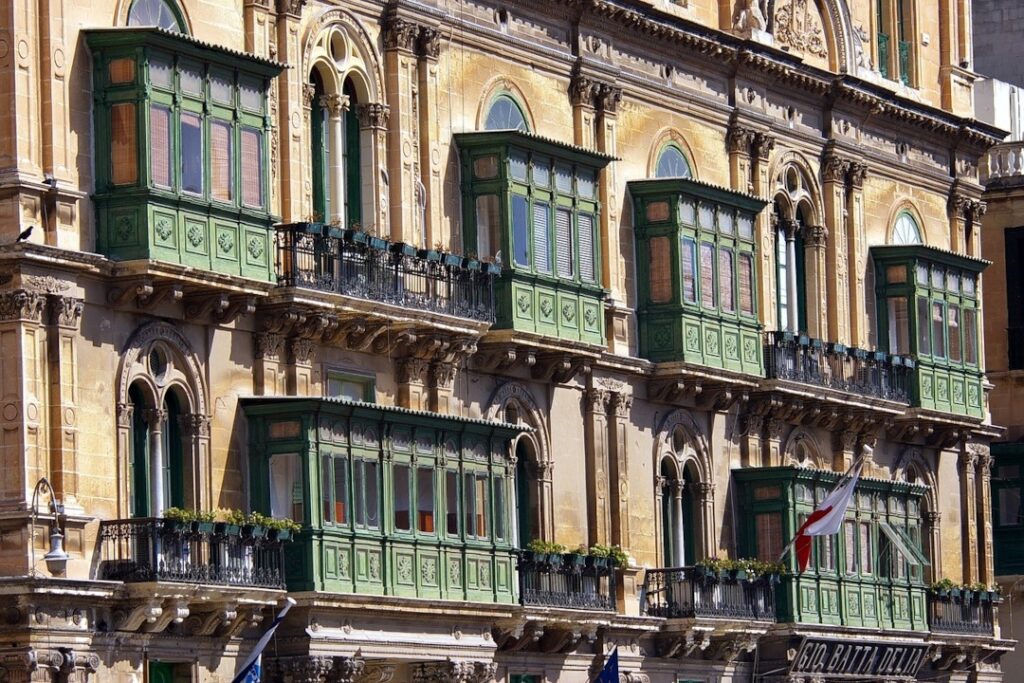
(661, 270)
(707, 274)
(220, 161)
(586, 226)
(541, 237)
(123, 135)
(160, 145)
(689, 260)
(746, 284)
(725, 279)
(563, 243)
(252, 167)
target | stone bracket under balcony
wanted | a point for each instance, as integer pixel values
(686, 384)
(565, 631)
(547, 359)
(951, 652)
(810, 412)
(219, 298)
(935, 429)
(193, 610)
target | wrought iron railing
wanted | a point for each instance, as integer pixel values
(685, 592)
(349, 262)
(964, 614)
(565, 584)
(148, 549)
(834, 366)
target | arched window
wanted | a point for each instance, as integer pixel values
(505, 114)
(672, 163)
(791, 220)
(161, 13)
(334, 130)
(906, 230)
(680, 511)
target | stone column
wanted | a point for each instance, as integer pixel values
(595, 434)
(268, 375)
(373, 139)
(856, 256)
(299, 371)
(337, 106)
(983, 488)
(815, 239)
(155, 418)
(428, 48)
(293, 95)
(411, 374)
(618, 474)
(933, 537)
(761, 145)
(125, 423)
(968, 505)
(62, 340)
(661, 531)
(792, 293)
(401, 77)
(834, 191)
(23, 457)
(195, 433)
(679, 544)
(706, 496)
(546, 499)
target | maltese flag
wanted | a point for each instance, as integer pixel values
(828, 518)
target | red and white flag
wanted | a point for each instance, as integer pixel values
(827, 519)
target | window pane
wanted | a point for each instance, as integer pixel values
(468, 491)
(938, 277)
(480, 499)
(899, 325)
(564, 257)
(451, 483)
(563, 178)
(401, 480)
(325, 488)
(782, 277)
(707, 216)
(425, 499)
(954, 332)
(487, 224)
(221, 163)
(486, 167)
(687, 212)
(499, 507)
(585, 183)
(769, 536)
(660, 259)
(286, 486)
(924, 345)
(517, 166)
(826, 553)
(367, 500)
(520, 231)
(746, 227)
(252, 167)
(541, 237)
(689, 265)
(850, 542)
(160, 145)
(707, 274)
(921, 274)
(191, 153)
(341, 490)
(866, 566)
(725, 222)
(968, 285)
(161, 71)
(657, 212)
(191, 81)
(725, 277)
(938, 325)
(970, 336)
(221, 90)
(587, 261)
(896, 275)
(121, 71)
(542, 171)
(251, 94)
(1009, 506)
(123, 134)
(746, 284)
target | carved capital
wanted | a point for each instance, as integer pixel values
(816, 236)
(411, 370)
(775, 428)
(269, 346)
(65, 311)
(194, 425)
(608, 98)
(308, 93)
(373, 115)
(346, 669)
(835, 169)
(933, 517)
(857, 174)
(125, 414)
(428, 43)
(968, 460)
(597, 401)
(706, 489)
(400, 34)
(154, 417)
(290, 7)
(442, 375)
(755, 423)
(450, 671)
(582, 89)
(335, 104)
(303, 351)
(21, 304)
(621, 403)
(739, 139)
(762, 145)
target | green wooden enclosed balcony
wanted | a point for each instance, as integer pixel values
(392, 501)
(531, 204)
(870, 574)
(929, 307)
(697, 274)
(182, 139)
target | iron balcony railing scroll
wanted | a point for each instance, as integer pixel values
(350, 262)
(549, 582)
(876, 374)
(965, 614)
(149, 549)
(687, 593)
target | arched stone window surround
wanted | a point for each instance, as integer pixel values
(905, 206)
(179, 373)
(913, 466)
(341, 52)
(513, 399)
(496, 87)
(124, 8)
(802, 450)
(682, 443)
(669, 137)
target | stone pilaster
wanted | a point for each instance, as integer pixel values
(269, 376)
(401, 82)
(299, 371)
(983, 493)
(373, 144)
(62, 352)
(429, 217)
(844, 450)
(292, 119)
(452, 671)
(738, 139)
(442, 381)
(750, 445)
(411, 375)
(856, 256)
(815, 243)
(595, 433)
(968, 462)
(195, 432)
(618, 472)
(836, 290)
(773, 441)
(617, 320)
(23, 447)
(761, 145)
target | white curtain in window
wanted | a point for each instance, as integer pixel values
(285, 484)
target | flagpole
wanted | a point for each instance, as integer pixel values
(261, 644)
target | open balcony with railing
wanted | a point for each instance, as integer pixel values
(566, 581)
(871, 374)
(689, 593)
(150, 549)
(326, 258)
(964, 614)
(1003, 165)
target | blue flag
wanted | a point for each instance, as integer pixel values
(250, 671)
(610, 672)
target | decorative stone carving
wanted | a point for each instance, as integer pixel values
(335, 104)
(400, 34)
(21, 304)
(608, 98)
(373, 115)
(450, 671)
(739, 139)
(377, 673)
(65, 311)
(290, 7)
(748, 16)
(428, 43)
(597, 401)
(620, 404)
(857, 174)
(762, 145)
(194, 425)
(835, 169)
(269, 346)
(443, 375)
(303, 351)
(308, 93)
(798, 27)
(346, 669)
(125, 414)
(816, 235)
(411, 370)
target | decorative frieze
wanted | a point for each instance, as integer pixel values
(450, 671)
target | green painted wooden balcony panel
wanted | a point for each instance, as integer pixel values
(852, 601)
(948, 389)
(528, 304)
(694, 338)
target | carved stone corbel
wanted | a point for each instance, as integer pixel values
(147, 612)
(200, 305)
(240, 305)
(176, 611)
(560, 368)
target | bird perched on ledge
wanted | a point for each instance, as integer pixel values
(25, 234)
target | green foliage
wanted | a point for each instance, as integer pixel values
(545, 547)
(945, 585)
(752, 566)
(282, 524)
(235, 517)
(615, 553)
(179, 515)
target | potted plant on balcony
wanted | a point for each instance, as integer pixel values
(255, 525)
(403, 248)
(354, 235)
(711, 569)
(229, 522)
(177, 520)
(944, 588)
(431, 255)
(281, 529)
(575, 559)
(203, 522)
(544, 553)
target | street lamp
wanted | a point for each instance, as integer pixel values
(57, 559)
